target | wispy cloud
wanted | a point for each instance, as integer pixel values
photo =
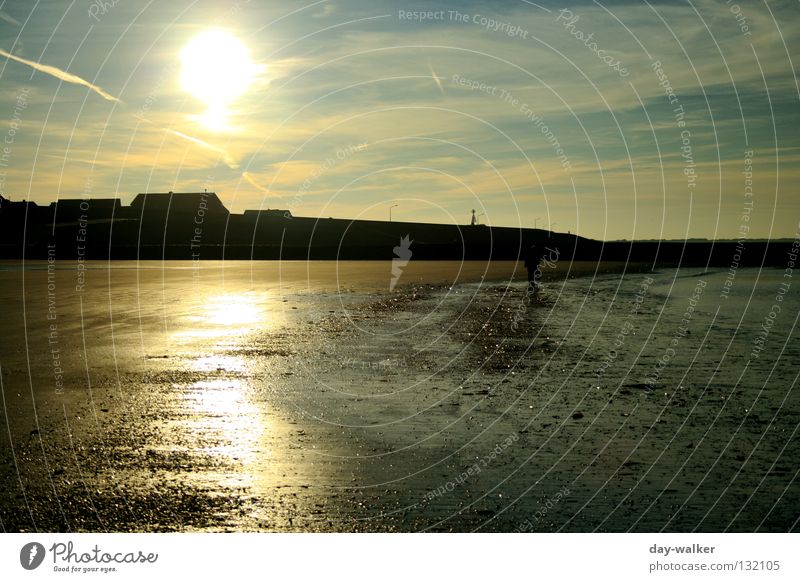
(253, 182)
(7, 18)
(59, 74)
(396, 84)
(226, 158)
(436, 78)
(229, 161)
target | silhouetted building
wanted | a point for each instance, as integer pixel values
(71, 210)
(197, 225)
(183, 203)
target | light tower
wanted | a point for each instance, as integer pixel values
(474, 220)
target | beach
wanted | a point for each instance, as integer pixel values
(343, 396)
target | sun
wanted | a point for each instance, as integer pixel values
(216, 69)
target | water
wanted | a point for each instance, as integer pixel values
(691, 426)
(301, 396)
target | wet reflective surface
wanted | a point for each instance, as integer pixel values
(272, 397)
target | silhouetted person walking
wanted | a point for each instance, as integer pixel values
(532, 260)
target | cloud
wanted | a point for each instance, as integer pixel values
(436, 78)
(7, 18)
(229, 161)
(327, 10)
(226, 157)
(253, 182)
(59, 74)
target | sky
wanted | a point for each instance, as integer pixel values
(612, 120)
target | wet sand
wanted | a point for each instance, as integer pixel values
(272, 397)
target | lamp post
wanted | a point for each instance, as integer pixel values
(390, 211)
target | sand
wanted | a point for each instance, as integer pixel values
(269, 397)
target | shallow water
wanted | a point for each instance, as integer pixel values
(273, 396)
(687, 425)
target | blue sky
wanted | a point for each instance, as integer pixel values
(357, 106)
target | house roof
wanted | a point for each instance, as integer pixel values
(179, 202)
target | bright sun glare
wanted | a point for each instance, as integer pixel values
(216, 69)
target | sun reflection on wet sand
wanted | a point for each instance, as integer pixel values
(220, 419)
(226, 425)
(233, 310)
(219, 363)
(210, 317)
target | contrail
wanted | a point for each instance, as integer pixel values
(246, 176)
(226, 158)
(229, 161)
(59, 74)
(70, 78)
(436, 78)
(7, 18)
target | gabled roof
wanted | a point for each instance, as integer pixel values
(179, 202)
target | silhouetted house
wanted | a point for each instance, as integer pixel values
(250, 232)
(21, 224)
(177, 224)
(19, 208)
(205, 204)
(268, 213)
(94, 210)
(196, 226)
(17, 213)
